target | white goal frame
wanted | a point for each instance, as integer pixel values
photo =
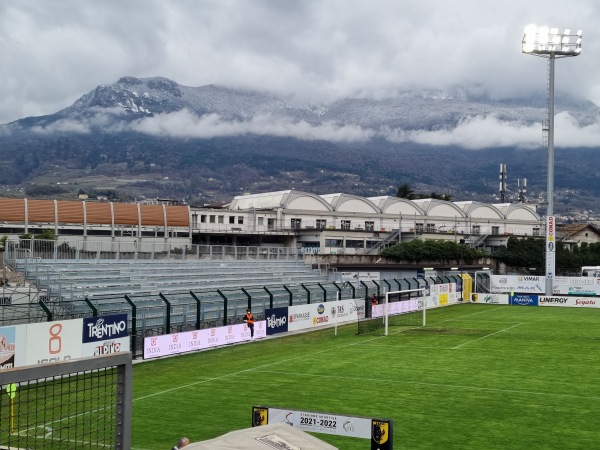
(386, 305)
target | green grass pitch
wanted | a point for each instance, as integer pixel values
(477, 377)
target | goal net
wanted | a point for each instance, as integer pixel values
(394, 309)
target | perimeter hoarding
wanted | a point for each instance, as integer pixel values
(575, 302)
(49, 342)
(190, 341)
(379, 431)
(530, 284)
(301, 317)
(105, 335)
(576, 286)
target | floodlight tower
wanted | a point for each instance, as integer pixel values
(550, 43)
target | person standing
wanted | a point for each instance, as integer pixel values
(183, 442)
(249, 320)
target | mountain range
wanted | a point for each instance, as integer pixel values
(151, 137)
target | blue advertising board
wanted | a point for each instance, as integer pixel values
(96, 329)
(524, 299)
(277, 320)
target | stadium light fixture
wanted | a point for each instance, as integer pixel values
(550, 43)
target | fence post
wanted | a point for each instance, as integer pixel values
(270, 297)
(339, 290)
(46, 310)
(224, 306)
(249, 298)
(133, 324)
(168, 318)
(289, 292)
(198, 309)
(307, 293)
(366, 288)
(92, 307)
(378, 289)
(324, 292)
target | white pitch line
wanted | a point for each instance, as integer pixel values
(208, 380)
(486, 336)
(443, 385)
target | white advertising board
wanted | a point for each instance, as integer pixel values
(576, 286)
(360, 276)
(105, 347)
(301, 317)
(314, 422)
(189, 341)
(497, 299)
(578, 302)
(49, 342)
(532, 284)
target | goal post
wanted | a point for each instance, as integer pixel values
(406, 308)
(396, 306)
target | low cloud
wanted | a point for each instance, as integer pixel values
(474, 133)
(186, 124)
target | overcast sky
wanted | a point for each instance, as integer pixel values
(54, 51)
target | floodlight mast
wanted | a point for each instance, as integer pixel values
(550, 43)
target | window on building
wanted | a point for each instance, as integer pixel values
(261, 221)
(231, 219)
(202, 218)
(321, 224)
(194, 220)
(476, 229)
(369, 226)
(536, 231)
(270, 224)
(354, 243)
(345, 225)
(419, 227)
(296, 223)
(221, 219)
(212, 219)
(371, 244)
(495, 231)
(336, 243)
(430, 227)
(240, 220)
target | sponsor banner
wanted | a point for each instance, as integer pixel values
(517, 283)
(105, 347)
(277, 320)
(578, 302)
(576, 286)
(189, 341)
(49, 342)
(8, 345)
(550, 234)
(550, 264)
(490, 298)
(314, 422)
(396, 308)
(360, 276)
(524, 300)
(104, 328)
(301, 317)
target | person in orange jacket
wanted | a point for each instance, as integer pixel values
(249, 320)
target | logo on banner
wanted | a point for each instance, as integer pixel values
(380, 431)
(104, 328)
(260, 416)
(277, 320)
(524, 300)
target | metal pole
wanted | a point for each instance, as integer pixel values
(550, 249)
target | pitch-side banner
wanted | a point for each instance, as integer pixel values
(314, 315)
(576, 286)
(578, 302)
(189, 341)
(530, 284)
(49, 342)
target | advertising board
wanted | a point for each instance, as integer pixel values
(189, 341)
(531, 284)
(575, 302)
(524, 300)
(277, 320)
(49, 342)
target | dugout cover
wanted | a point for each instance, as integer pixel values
(266, 437)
